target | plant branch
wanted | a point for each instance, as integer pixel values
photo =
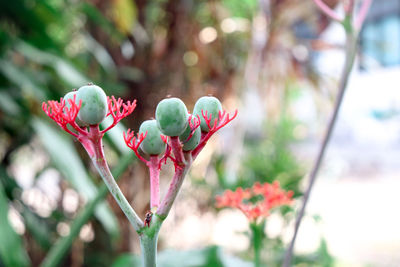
(362, 14)
(351, 42)
(102, 167)
(176, 147)
(327, 10)
(174, 187)
(153, 165)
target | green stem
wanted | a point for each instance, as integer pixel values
(101, 165)
(148, 241)
(148, 246)
(257, 236)
(351, 45)
(61, 247)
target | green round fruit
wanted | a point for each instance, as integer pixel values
(152, 144)
(212, 106)
(70, 95)
(172, 116)
(193, 142)
(94, 104)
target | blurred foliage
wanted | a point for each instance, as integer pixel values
(206, 257)
(46, 49)
(10, 240)
(266, 159)
(141, 50)
(214, 257)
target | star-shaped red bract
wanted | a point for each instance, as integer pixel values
(64, 115)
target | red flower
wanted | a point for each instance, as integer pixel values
(257, 201)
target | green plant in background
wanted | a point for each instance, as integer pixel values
(90, 105)
(269, 157)
(38, 59)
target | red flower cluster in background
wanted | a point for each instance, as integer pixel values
(257, 201)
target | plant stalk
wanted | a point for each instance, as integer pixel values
(148, 237)
(154, 182)
(257, 236)
(173, 190)
(351, 43)
(102, 167)
(148, 245)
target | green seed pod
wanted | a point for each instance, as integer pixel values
(94, 104)
(172, 116)
(212, 106)
(193, 142)
(152, 144)
(70, 95)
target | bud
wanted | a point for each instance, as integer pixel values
(94, 104)
(210, 106)
(152, 144)
(172, 116)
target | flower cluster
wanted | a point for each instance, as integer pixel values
(80, 112)
(66, 111)
(174, 134)
(257, 201)
(175, 125)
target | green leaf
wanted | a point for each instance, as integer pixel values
(37, 227)
(12, 252)
(65, 70)
(21, 79)
(7, 104)
(66, 159)
(127, 260)
(95, 16)
(100, 53)
(124, 13)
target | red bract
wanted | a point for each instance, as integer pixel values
(114, 109)
(257, 201)
(223, 119)
(63, 115)
(133, 142)
(194, 123)
(90, 139)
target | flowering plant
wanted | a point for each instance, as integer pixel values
(256, 203)
(174, 134)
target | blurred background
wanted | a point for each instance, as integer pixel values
(276, 61)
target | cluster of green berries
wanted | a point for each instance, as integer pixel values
(172, 119)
